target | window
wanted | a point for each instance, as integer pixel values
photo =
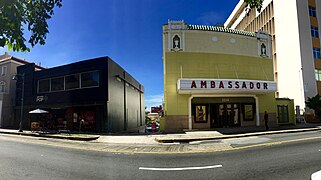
(176, 42)
(2, 86)
(57, 84)
(90, 79)
(312, 11)
(72, 81)
(4, 70)
(317, 74)
(314, 32)
(316, 53)
(44, 85)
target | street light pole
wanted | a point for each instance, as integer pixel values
(17, 77)
(22, 95)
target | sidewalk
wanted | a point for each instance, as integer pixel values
(189, 136)
(188, 142)
(235, 132)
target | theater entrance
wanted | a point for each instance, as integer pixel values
(220, 112)
(225, 115)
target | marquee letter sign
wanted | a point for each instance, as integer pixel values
(190, 86)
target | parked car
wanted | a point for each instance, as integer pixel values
(152, 127)
(316, 176)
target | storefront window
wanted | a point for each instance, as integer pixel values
(44, 85)
(84, 120)
(90, 79)
(248, 112)
(72, 81)
(57, 84)
(200, 113)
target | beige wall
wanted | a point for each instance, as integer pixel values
(8, 97)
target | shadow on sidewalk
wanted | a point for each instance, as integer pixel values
(243, 130)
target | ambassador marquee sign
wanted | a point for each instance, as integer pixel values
(190, 86)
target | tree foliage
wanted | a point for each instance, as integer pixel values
(254, 4)
(315, 104)
(15, 15)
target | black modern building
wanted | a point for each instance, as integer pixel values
(96, 94)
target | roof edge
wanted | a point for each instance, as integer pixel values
(220, 29)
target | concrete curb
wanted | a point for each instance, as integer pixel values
(55, 136)
(189, 139)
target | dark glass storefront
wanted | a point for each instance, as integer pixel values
(83, 118)
(94, 95)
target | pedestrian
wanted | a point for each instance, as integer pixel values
(81, 124)
(266, 120)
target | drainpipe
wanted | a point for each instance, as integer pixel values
(257, 111)
(190, 125)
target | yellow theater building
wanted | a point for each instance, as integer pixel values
(216, 77)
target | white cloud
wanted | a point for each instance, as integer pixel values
(153, 100)
(211, 18)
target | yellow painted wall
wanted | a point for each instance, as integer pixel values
(212, 42)
(267, 103)
(210, 65)
(211, 54)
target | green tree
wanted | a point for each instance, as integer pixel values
(147, 119)
(315, 104)
(254, 4)
(15, 15)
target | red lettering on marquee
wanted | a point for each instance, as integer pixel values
(221, 85)
(203, 84)
(251, 85)
(244, 85)
(230, 84)
(237, 85)
(265, 85)
(212, 84)
(193, 84)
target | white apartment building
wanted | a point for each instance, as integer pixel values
(294, 27)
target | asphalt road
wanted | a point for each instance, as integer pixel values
(290, 160)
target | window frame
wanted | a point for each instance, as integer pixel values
(57, 78)
(38, 88)
(4, 70)
(81, 83)
(316, 53)
(312, 11)
(317, 74)
(64, 77)
(3, 87)
(314, 31)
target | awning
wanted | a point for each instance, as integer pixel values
(38, 111)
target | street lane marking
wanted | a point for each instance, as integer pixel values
(180, 169)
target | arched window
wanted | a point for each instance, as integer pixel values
(176, 42)
(263, 49)
(2, 86)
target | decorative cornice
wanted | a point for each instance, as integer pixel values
(220, 29)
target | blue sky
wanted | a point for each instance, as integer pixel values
(128, 31)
